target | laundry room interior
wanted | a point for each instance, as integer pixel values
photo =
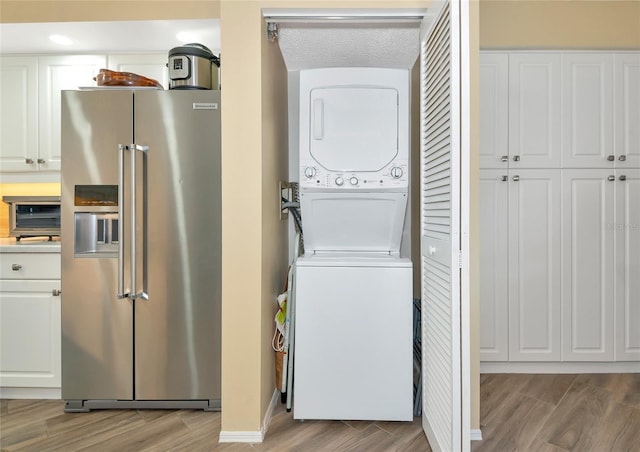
(351, 38)
(353, 136)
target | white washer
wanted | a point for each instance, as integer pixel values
(353, 347)
(353, 314)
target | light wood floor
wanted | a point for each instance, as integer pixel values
(598, 413)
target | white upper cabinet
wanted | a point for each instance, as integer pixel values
(534, 265)
(587, 110)
(534, 110)
(57, 73)
(152, 66)
(626, 71)
(627, 283)
(494, 110)
(588, 264)
(19, 113)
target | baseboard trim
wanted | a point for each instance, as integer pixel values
(240, 437)
(559, 368)
(269, 414)
(250, 436)
(31, 393)
(476, 435)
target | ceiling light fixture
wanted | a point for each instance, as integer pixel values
(62, 40)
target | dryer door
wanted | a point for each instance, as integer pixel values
(353, 222)
(353, 128)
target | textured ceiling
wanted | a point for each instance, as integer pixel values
(315, 45)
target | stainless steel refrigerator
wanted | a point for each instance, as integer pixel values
(141, 249)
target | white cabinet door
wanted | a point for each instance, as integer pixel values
(627, 288)
(494, 301)
(30, 334)
(152, 66)
(534, 110)
(18, 113)
(534, 265)
(588, 265)
(494, 110)
(587, 110)
(626, 72)
(57, 73)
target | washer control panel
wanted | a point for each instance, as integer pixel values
(395, 175)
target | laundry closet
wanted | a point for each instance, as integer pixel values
(355, 140)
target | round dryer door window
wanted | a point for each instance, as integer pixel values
(353, 128)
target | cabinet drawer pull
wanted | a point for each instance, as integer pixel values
(505, 178)
(623, 177)
(56, 292)
(504, 158)
(28, 161)
(611, 178)
(42, 161)
(611, 158)
(16, 267)
(622, 158)
(516, 158)
(516, 178)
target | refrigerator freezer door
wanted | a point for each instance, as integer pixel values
(97, 327)
(177, 343)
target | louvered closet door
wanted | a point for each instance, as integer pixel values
(443, 406)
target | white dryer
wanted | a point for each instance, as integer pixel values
(353, 347)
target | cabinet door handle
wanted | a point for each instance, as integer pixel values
(56, 292)
(16, 267)
(505, 178)
(623, 177)
(611, 178)
(611, 158)
(622, 158)
(516, 178)
(504, 158)
(28, 161)
(42, 161)
(516, 158)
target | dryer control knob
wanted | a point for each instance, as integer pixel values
(339, 181)
(309, 171)
(353, 180)
(396, 172)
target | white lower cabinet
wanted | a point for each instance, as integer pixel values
(534, 265)
(588, 267)
(560, 265)
(627, 265)
(494, 298)
(520, 265)
(30, 327)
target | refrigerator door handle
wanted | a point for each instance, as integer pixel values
(121, 150)
(134, 211)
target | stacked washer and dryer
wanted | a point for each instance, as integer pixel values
(353, 287)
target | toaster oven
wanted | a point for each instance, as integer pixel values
(33, 216)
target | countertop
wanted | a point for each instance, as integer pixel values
(29, 245)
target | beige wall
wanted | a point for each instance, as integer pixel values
(242, 159)
(105, 10)
(275, 167)
(560, 24)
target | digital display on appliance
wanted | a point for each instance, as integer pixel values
(177, 64)
(96, 195)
